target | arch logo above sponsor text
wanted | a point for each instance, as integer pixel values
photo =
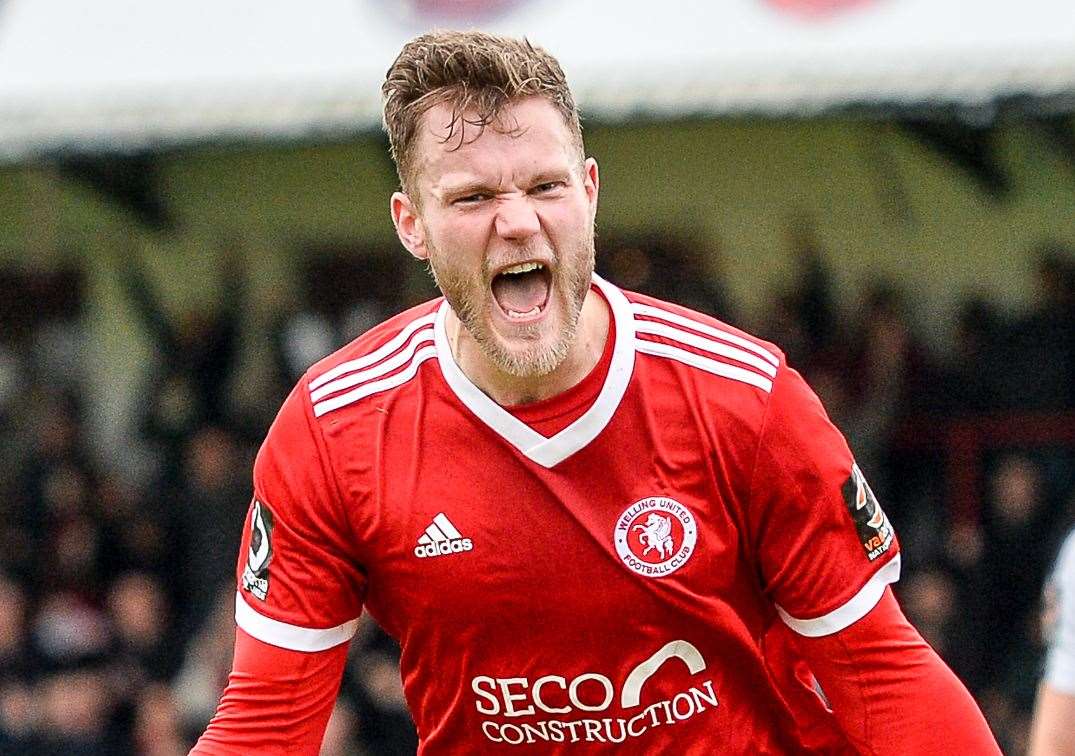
(655, 536)
(517, 709)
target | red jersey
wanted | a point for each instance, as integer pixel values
(621, 566)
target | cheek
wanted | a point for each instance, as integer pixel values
(462, 239)
(569, 220)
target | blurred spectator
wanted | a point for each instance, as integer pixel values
(975, 364)
(18, 718)
(666, 265)
(156, 724)
(340, 735)
(209, 504)
(140, 618)
(204, 673)
(13, 661)
(196, 355)
(1014, 561)
(75, 708)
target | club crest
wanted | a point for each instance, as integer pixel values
(655, 536)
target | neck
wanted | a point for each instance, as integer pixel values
(506, 389)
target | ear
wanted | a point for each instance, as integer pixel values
(591, 183)
(408, 225)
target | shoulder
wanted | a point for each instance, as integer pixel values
(703, 343)
(383, 358)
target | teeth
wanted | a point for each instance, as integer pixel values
(525, 267)
(527, 314)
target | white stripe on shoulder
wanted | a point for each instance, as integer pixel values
(717, 333)
(708, 345)
(401, 357)
(857, 607)
(374, 387)
(375, 356)
(715, 367)
(291, 637)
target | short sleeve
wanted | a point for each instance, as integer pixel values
(824, 548)
(300, 587)
(1060, 620)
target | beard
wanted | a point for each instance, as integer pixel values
(471, 299)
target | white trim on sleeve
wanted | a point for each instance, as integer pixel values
(857, 607)
(291, 637)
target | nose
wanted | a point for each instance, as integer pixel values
(516, 219)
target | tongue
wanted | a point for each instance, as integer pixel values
(521, 292)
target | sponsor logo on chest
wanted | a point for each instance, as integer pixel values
(590, 707)
(655, 536)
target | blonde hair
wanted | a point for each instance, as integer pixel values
(476, 75)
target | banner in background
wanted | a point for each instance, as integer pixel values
(129, 75)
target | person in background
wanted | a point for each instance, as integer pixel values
(1053, 729)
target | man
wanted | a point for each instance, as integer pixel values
(1053, 730)
(592, 519)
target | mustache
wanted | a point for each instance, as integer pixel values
(543, 253)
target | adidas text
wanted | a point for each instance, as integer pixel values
(441, 548)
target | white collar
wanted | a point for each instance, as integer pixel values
(548, 452)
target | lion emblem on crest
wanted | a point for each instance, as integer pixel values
(656, 534)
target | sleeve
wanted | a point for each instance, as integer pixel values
(277, 701)
(299, 598)
(890, 692)
(824, 548)
(300, 585)
(1059, 621)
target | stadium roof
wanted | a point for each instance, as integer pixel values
(129, 75)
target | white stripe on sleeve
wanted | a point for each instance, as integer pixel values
(291, 637)
(857, 607)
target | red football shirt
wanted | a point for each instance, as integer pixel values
(631, 578)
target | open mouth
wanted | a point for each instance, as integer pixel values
(522, 291)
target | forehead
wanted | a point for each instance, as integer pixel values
(529, 135)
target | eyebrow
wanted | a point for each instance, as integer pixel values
(478, 186)
(467, 188)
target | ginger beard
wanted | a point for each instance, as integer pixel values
(529, 349)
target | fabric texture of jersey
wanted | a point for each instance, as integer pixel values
(636, 578)
(1060, 620)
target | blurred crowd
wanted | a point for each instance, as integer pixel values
(117, 591)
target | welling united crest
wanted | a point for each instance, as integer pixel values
(655, 536)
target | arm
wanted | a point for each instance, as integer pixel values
(826, 556)
(136, 285)
(299, 598)
(891, 693)
(277, 701)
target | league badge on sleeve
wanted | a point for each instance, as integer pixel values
(871, 522)
(258, 556)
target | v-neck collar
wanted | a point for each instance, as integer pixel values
(549, 451)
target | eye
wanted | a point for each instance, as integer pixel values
(470, 199)
(548, 187)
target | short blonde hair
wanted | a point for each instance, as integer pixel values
(473, 73)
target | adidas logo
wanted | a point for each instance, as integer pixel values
(441, 538)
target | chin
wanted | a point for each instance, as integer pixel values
(529, 360)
